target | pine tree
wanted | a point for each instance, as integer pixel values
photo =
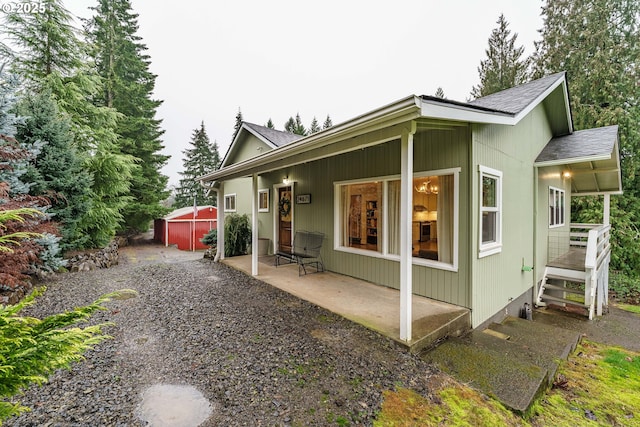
(237, 125)
(598, 43)
(327, 123)
(290, 125)
(51, 58)
(122, 63)
(202, 157)
(439, 93)
(504, 67)
(270, 124)
(60, 172)
(314, 127)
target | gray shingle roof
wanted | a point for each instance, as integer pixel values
(516, 99)
(276, 137)
(580, 145)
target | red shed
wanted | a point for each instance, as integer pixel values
(185, 227)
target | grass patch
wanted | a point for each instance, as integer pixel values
(629, 307)
(598, 385)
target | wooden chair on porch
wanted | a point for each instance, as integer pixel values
(304, 252)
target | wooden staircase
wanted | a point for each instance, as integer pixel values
(553, 289)
(589, 245)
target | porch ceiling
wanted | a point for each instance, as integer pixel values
(591, 157)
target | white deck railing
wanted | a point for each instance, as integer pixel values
(592, 240)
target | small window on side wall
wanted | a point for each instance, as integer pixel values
(490, 223)
(229, 202)
(556, 207)
(263, 201)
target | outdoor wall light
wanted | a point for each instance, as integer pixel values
(286, 181)
(566, 174)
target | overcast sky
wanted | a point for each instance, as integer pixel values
(273, 59)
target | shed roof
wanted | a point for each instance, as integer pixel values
(591, 156)
(184, 211)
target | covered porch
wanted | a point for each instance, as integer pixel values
(373, 306)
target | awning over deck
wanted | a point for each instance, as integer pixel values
(590, 156)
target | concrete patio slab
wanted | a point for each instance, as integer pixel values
(373, 306)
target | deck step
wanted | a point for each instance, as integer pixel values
(563, 289)
(546, 297)
(567, 277)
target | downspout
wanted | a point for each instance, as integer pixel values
(535, 233)
(220, 214)
(254, 225)
(406, 204)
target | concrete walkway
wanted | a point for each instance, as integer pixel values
(376, 307)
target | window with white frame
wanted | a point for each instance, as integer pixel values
(368, 217)
(263, 200)
(490, 211)
(229, 202)
(556, 207)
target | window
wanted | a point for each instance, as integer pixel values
(556, 207)
(229, 202)
(490, 211)
(368, 218)
(263, 201)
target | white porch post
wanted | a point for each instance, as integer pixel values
(406, 204)
(606, 214)
(254, 225)
(220, 224)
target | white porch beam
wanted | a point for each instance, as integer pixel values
(606, 214)
(406, 207)
(220, 224)
(254, 225)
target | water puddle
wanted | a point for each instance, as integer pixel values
(166, 405)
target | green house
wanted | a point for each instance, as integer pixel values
(463, 202)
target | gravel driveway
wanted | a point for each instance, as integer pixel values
(259, 356)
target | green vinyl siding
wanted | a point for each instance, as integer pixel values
(498, 279)
(433, 150)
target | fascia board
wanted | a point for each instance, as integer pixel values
(436, 110)
(573, 160)
(405, 109)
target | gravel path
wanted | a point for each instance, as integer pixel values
(261, 357)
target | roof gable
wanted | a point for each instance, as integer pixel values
(262, 138)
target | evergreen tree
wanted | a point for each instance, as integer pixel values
(202, 157)
(270, 124)
(295, 126)
(327, 123)
(46, 41)
(122, 63)
(49, 57)
(598, 43)
(503, 67)
(314, 127)
(439, 93)
(57, 171)
(238, 124)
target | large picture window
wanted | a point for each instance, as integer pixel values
(556, 207)
(368, 217)
(490, 211)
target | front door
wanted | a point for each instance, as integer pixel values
(285, 214)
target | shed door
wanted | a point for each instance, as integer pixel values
(285, 215)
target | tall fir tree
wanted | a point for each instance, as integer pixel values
(597, 42)
(57, 170)
(123, 64)
(50, 57)
(504, 67)
(295, 126)
(439, 93)
(237, 125)
(270, 124)
(202, 157)
(314, 127)
(327, 123)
